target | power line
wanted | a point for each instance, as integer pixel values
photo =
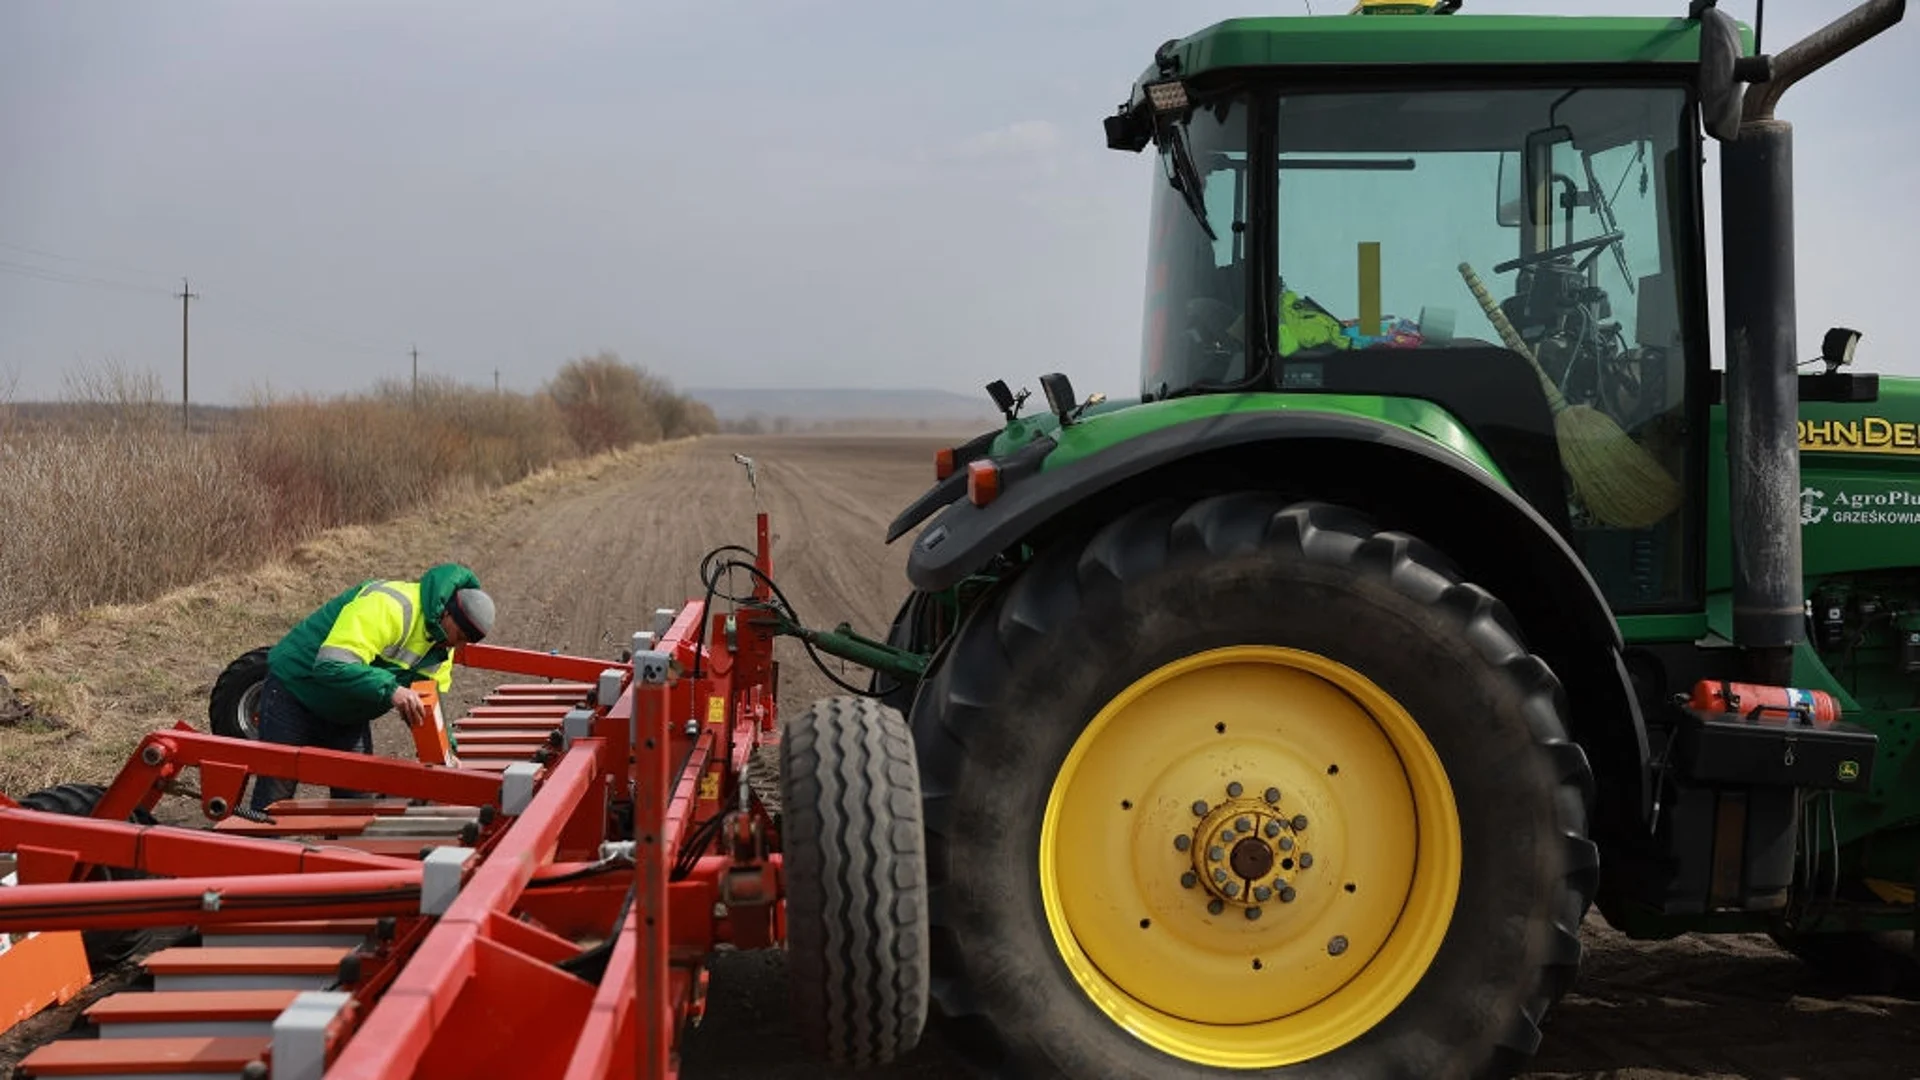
(286, 326)
(121, 267)
(42, 273)
(263, 318)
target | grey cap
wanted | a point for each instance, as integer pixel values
(472, 611)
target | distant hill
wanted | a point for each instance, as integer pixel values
(811, 408)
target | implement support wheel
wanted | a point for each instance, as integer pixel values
(855, 868)
(233, 709)
(105, 948)
(1239, 787)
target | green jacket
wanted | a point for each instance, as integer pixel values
(345, 660)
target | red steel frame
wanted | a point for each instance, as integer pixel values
(475, 989)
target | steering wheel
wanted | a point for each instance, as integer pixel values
(1595, 242)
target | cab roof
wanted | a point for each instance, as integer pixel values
(1435, 40)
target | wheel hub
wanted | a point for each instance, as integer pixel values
(1245, 851)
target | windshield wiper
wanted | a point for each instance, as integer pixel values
(1186, 179)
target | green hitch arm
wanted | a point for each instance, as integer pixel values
(843, 642)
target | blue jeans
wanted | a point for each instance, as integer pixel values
(284, 720)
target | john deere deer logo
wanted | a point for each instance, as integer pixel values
(1811, 512)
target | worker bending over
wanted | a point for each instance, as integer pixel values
(355, 658)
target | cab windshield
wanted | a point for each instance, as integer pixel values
(1369, 229)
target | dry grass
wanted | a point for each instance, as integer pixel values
(110, 502)
(118, 516)
(99, 679)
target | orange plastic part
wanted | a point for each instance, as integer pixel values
(430, 739)
(40, 971)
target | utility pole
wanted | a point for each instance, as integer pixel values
(186, 296)
(496, 382)
(416, 376)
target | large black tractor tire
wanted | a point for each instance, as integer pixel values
(105, 948)
(1138, 741)
(855, 868)
(233, 709)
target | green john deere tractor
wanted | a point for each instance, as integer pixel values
(1437, 586)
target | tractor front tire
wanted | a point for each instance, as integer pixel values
(854, 860)
(1242, 787)
(105, 948)
(233, 709)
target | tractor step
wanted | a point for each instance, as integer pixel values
(239, 967)
(182, 1058)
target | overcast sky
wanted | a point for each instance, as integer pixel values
(791, 193)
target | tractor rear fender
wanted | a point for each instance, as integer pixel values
(1403, 481)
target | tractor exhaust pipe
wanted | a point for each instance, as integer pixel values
(1763, 389)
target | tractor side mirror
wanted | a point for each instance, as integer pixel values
(1724, 73)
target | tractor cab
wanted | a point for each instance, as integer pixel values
(1453, 234)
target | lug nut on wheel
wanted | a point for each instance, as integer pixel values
(1234, 789)
(1273, 795)
(1262, 893)
(1306, 859)
(1299, 823)
(1199, 808)
(1337, 946)
(1182, 842)
(1189, 879)
(1215, 907)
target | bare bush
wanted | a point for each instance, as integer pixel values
(113, 397)
(609, 403)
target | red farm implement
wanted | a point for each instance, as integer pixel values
(542, 906)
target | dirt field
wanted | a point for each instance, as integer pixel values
(578, 566)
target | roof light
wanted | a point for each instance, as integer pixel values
(943, 463)
(983, 482)
(1166, 97)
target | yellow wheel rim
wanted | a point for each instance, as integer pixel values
(1250, 857)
